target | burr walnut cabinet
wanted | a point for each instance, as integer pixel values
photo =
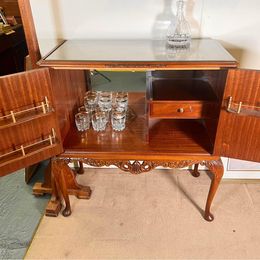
(197, 107)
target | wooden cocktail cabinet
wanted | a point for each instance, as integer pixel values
(197, 107)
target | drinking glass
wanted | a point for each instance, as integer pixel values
(105, 101)
(99, 120)
(121, 99)
(118, 118)
(91, 100)
(82, 121)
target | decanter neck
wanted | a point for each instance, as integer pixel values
(180, 8)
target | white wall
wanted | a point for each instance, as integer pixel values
(233, 22)
(104, 18)
(236, 24)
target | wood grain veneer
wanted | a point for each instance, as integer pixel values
(136, 66)
(181, 95)
(68, 88)
(11, 8)
(183, 109)
(17, 92)
(238, 135)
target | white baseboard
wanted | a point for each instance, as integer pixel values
(228, 174)
(253, 173)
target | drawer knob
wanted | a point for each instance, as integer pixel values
(181, 110)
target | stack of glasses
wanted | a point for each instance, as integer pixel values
(100, 108)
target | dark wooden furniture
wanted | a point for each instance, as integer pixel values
(191, 113)
(13, 48)
(13, 51)
(11, 8)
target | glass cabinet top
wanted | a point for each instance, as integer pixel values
(201, 50)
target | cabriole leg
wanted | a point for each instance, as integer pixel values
(216, 167)
(81, 168)
(195, 172)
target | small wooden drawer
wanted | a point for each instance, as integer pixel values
(182, 109)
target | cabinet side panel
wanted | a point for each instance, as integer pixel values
(238, 135)
(217, 81)
(69, 87)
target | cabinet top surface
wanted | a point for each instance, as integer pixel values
(201, 51)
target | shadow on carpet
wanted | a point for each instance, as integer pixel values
(20, 213)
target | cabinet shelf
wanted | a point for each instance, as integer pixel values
(181, 95)
(25, 150)
(25, 114)
(166, 137)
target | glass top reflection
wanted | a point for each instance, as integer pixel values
(201, 50)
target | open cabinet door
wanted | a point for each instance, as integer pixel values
(29, 132)
(238, 134)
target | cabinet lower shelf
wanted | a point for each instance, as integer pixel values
(165, 138)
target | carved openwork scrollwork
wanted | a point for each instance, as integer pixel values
(216, 167)
(135, 167)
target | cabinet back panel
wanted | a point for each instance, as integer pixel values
(214, 79)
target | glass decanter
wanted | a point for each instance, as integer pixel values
(179, 33)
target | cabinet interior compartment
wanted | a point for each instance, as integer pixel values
(193, 95)
(182, 87)
(134, 141)
(201, 84)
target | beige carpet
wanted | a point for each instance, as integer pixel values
(153, 216)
